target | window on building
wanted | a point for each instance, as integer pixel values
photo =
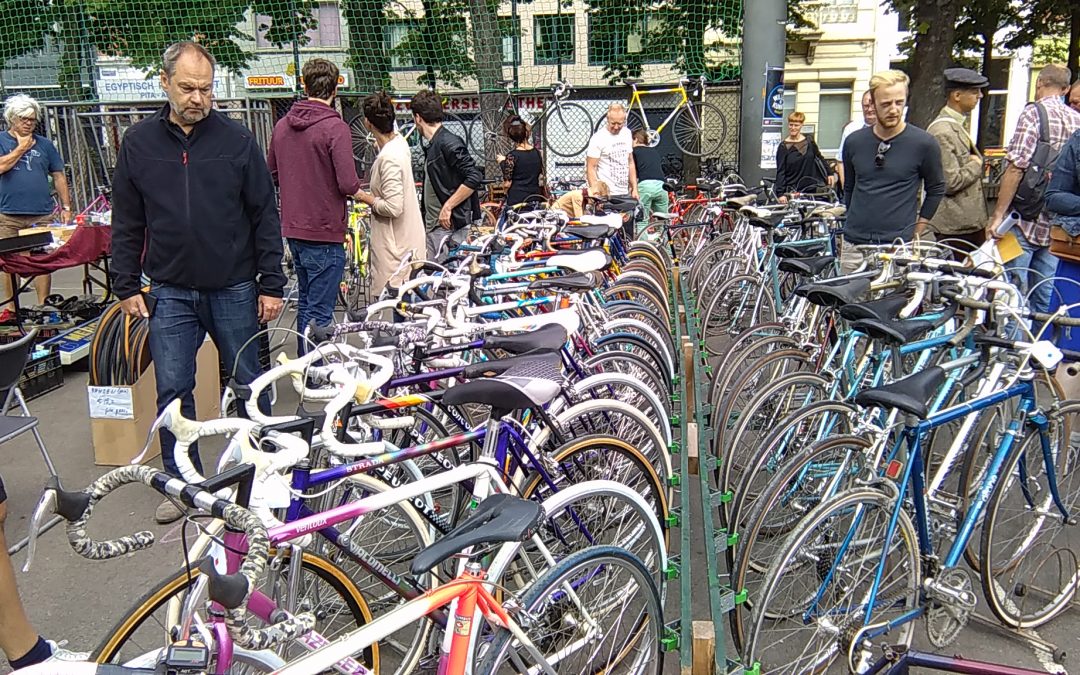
(612, 39)
(834, 112)
(510, 29)
(553, 39)
(326, 33)
(394, 33)
(998, 97)
(789, 101)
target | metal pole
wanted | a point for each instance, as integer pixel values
(296, 49)
(763, 44)
(515, 41)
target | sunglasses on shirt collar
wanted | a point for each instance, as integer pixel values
(879, 158)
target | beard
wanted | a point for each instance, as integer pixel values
(889, 122)
(190, 115)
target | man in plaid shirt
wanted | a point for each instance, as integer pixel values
(1036, 263)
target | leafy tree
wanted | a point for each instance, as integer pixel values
(365, 21)
(26, 24)
(438, 42)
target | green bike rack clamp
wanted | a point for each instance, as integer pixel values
(674, 518)
(672, 571)
(674, 448)
(674, 480)
(719, 498)
(676, 420)
(670, 641)
(741, 596)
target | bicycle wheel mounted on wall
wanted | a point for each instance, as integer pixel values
(566, 129)
(699, 129)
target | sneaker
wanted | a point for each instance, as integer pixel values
(168, 512)
(61, 654)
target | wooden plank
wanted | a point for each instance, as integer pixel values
(692, 447)
(704, 648)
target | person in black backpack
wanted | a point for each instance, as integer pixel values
(1043, 129)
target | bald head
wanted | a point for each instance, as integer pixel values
(1074, 96)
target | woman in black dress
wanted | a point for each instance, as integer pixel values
(799, 164)
(523, 167)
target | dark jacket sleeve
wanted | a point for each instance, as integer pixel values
(781, 185)
(1063, 193)
(471, 175)
(261, 209)
(128, 227)
(933, 179)
(849, 174)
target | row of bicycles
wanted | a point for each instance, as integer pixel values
(896, 452)
(480, 486)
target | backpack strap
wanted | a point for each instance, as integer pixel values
(1044, 122)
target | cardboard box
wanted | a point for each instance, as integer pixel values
(120, 417)
(60, 233)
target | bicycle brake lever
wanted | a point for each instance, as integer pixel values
(46, 506)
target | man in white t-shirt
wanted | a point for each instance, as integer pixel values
(869, 117)
(610, 156)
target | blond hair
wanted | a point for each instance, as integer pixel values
(600, 189)
(888, 78)
(797, 116)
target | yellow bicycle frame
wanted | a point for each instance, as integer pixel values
(635, 98)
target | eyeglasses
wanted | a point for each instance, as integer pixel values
(882, 148)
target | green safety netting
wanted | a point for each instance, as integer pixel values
(102, 50)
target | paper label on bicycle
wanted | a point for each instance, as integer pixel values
(462, 625)
(111, 403)
(272, 493)
(1046, 353)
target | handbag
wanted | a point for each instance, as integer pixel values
(1063, 245)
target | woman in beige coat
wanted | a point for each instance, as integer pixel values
(397, 228)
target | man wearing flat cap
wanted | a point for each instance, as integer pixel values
(960, 219)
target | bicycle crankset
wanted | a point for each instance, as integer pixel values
(952, 600)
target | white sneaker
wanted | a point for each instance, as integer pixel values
(61, 654)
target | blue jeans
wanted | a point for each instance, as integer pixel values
(1032, 266)
(319, 268)
(179, 325)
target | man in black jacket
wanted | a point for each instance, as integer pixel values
(194, 210)
(451, 178)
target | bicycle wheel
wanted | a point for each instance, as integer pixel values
(699, 129)
(566, 129)
(740, 303)
(325, 589)
(792, 491)
(731, 407)
(596, 611)
(788, 439)
(1028, 561)
(392, 537)
(630, 364)
(363, 143)
(815, 598)
(594, 513)
(619, 387)
(616, 419)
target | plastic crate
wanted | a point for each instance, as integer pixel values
(41, 375)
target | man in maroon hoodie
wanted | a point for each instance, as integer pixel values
(311, 161)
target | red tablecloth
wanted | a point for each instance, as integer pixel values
(87, 244)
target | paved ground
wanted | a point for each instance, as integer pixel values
(74, 599)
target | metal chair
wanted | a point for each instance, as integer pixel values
(13, 359)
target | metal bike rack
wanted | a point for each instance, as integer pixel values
(702, 644)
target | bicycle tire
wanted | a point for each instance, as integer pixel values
(747, 311)
(633, 121)
(791, 428)
(633, 343)
(619, 387)
(614, 419)
(744, 378)
(596, 562)
(802, 544)
(776, 511)
(1039, 524)
(740, 343)
(699, 129)
(630, 364)
(569, 122)
(172, 589)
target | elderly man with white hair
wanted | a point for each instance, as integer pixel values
(610, 155)
(26, 162)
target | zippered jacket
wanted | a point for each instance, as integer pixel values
(196, 211)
